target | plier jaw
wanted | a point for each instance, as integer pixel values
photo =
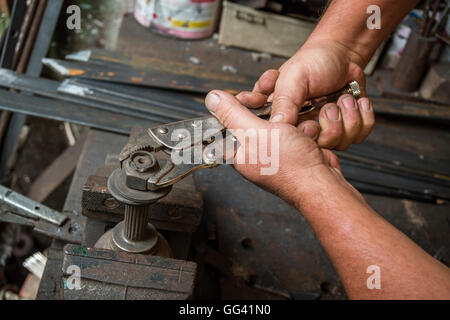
(177, 150)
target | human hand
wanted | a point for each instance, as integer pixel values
(300, 162)
(317, 69)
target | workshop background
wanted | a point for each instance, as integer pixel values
(71, 91)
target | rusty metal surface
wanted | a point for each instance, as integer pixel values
(136, 40)
(71, 231)
(265, 235)
(427, 224)
(274, 247)
(168, 78)
(411, 109)
(151, 104)
(110, 275)
(50, 285)
(70, 112)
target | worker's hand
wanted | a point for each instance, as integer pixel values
(317, 69)
(288, 160)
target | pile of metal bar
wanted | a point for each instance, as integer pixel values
(24, 44)
(64, 101)
(379, 169)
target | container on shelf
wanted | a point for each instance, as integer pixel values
(186, 19)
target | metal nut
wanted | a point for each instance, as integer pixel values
(143, 161)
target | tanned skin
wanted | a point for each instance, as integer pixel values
(309, 176)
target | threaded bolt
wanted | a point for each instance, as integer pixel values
(135, 222)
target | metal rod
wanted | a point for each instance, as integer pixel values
(135, 222)
(27, 207)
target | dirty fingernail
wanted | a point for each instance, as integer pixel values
(212, 101)
(278, 117)
(311, 131)
(365, 105)
(333, 113)
(349, 103)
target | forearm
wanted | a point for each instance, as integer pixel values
(345, 22)
(355, 237)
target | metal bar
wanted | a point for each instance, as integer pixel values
(49, 88)
(395, 169)
(8, 217)
(114, 72)
(70, 112)
(99, 95)
(10, 52)
(412, 109)
(355, 172)
(34, 66)
(24, 33)
(169, 101)
(88, 95)
(32, 36)
(369, 188)
(166, 98)
(400, 158)
(26, 206)
(12, 34)
(199, 77)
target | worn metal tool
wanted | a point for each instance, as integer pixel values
(18, 209)
(27, 207)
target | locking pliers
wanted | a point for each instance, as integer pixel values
(195, 139)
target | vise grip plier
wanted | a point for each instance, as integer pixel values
(179, 137)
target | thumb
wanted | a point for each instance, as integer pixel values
(289, 96)
(231, 113)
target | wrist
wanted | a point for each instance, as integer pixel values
(349, 52)
(324, 189)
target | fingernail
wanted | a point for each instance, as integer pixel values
(333, 113)
(311, 131)
(349, 103)
(270, 98)
(212, 101)
(278, 117)
(365, 105)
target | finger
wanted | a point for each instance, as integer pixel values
(331, 159)
(289, 95)
(231, 113)
(266, 83)
(251, 99)
(311, 128)
(352, 121)
(331, 122)
(368, 119)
